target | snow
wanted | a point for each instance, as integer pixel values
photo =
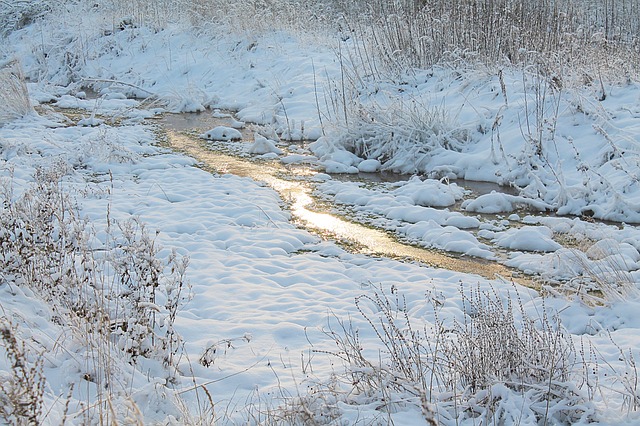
(447, 238)
(430, 192)
(528, 238)
(90, 122)
(369, 166)
(496, 202)
(262, 145)
(335, 167)
(268, 294)
(222, 133)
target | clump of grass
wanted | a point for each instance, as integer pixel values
(21, 392)
(14, 96)
(495, 363)
(404, 136)
(601, 274)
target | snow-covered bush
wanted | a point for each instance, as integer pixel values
(40, 235)
(142, 325)
(121, 290)
(117, 297)
(403, 136)
(500, 357)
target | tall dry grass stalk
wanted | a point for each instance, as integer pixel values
(14, 96)
(602, 275)
(22, 391)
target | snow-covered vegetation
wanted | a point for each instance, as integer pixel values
(138, 289)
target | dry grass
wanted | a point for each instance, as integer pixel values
(120, 300)
(497, 363)
(602, 275)
(590, 38)
(21, 392)
(14, 96)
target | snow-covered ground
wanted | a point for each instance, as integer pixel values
(269, 301)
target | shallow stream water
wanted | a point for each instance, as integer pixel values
(294, 187)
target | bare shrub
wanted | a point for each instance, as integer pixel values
(40, 233)
(120, 298)
(529, 356)
(143, 326)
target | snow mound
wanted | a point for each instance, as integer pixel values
(90, 122)
(448, 238)
(219, 114)
(369, 166)
(496, 202)
(563, 264)
(430, 192)
(335, 167)
(186, 105)
(528, 238)
(262, 145)
(610, 247)
(222, 133)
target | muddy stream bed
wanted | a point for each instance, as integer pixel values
(293, 184)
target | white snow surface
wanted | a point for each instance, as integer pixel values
(262, 145)
(222, 133)
(529, 238)
(265, 290)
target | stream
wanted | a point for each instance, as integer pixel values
(295, 187)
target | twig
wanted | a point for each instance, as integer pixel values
(105, 80)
